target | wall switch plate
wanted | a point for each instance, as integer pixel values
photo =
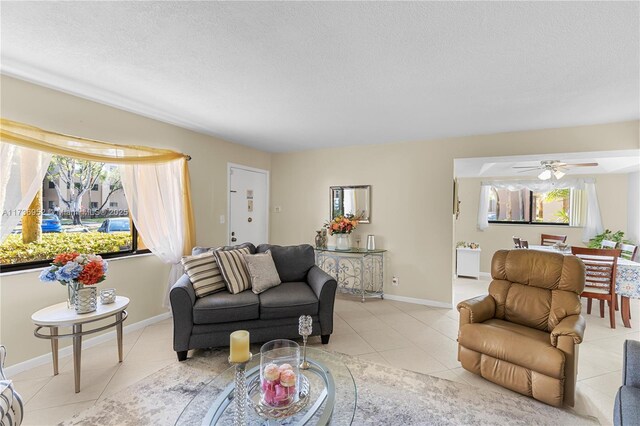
(221, 218)
(395, 281)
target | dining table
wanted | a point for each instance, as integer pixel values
(627, 280)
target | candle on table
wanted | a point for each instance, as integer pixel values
(239, 346)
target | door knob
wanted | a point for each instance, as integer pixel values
(234, 239)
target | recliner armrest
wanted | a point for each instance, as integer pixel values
(572, 326)
(478, 309)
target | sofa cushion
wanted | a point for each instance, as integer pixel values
(234, 269)
(262, 271)
(289, 299)
(292, 262)
(517, 344)
(226, 307)
(204, 273)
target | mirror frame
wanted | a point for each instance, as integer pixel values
(368, 189)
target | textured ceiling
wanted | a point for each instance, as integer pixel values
(290, 76)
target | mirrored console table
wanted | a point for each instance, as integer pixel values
(359, 272)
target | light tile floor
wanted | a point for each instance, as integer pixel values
(409, 336)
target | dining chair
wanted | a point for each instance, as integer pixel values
(628, 251)
(608, 244)
(516, 242)
(524, 244)
(600, 275)
(550, 239)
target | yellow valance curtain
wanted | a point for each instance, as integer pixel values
(85, 149)
(167, 165)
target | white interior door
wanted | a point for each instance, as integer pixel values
(248, 205)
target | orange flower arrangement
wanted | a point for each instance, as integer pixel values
(63, 258)
(92, 273)
(342, 224)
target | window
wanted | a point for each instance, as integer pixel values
(80, 224)
(94, 187)
(523, 206)
(52, 185)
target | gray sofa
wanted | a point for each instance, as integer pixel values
(626, 409)
(306, 289)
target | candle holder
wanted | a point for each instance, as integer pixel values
(240, 392)
(305, 328)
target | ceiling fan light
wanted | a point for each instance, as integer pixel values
(559, 174)
(545, 175)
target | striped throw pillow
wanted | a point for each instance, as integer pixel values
(204, 273)
(234, 269)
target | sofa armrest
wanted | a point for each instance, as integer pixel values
(182, 297)
(478, 309)
(631, 364)
(571, 326)
(324, 286)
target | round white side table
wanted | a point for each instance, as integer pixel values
(60, 315)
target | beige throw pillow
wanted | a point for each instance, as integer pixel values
(204, 273)
(234, 269)
(262, 271)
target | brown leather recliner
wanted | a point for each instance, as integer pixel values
(524, 334)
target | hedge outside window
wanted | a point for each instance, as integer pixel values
(74, 216)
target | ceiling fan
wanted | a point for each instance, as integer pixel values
(553, 168)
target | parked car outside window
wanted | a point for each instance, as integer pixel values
(117, 224)
(51, 223)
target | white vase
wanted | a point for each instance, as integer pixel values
(342, 242)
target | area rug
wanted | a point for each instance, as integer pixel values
(386, 396)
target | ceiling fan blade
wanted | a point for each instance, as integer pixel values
(526, 167)
(582, 165)
(526, 171)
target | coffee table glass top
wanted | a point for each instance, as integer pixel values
(214, 405)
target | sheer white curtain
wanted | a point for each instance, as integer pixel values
(483, 207)
(21, 173)
(593, 224)
(156, 196)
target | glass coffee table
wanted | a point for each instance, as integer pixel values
(332, 400)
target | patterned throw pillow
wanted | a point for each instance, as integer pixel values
(234, 269)
(262, 271)
(204, 273)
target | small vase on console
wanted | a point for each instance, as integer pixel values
(342, 242)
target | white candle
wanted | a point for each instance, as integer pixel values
(239, 346)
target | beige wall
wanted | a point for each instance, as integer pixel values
(613, 208)
(411, 194)
(144, 278)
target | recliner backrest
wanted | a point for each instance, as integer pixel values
(535, 288)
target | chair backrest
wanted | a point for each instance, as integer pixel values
(524, 244)
(608, 244)
(516, 242)
(600, 268)
(628, 251)
(550, 239)
(535, 288)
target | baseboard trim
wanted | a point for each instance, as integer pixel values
(417, 301)
(67, 350)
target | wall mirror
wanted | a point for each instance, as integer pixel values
(355, 200)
